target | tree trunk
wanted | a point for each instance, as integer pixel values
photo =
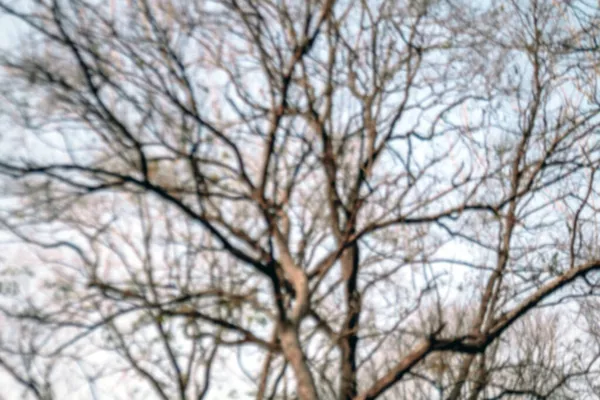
(349, 336)
(292, 351)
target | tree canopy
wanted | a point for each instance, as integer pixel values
(320, 199)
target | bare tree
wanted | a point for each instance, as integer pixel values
(345, 199)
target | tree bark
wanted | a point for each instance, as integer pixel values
(293, 353)
(349, 334)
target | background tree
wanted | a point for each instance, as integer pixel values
(347, 199)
